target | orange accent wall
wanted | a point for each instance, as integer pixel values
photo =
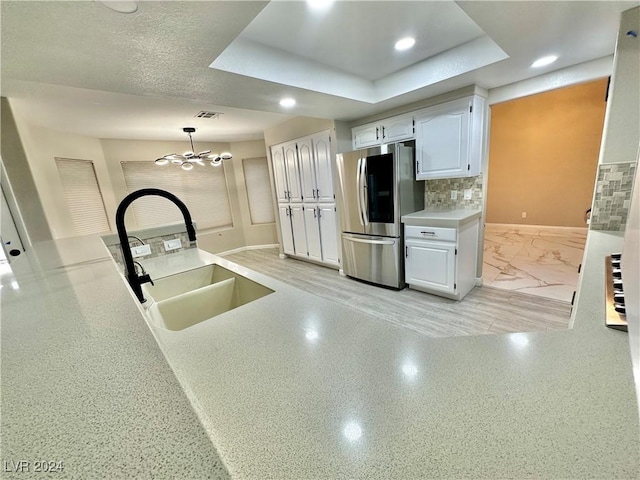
(543, 156)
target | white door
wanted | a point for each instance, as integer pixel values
(280, 173)
(324, 171)
(329, 234)
(312, 229)
(299, 233)
(431, 265)
(285, 229)
(293, 171)
(442, 141)
(307, 174)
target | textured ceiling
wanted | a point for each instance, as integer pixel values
(78, 66)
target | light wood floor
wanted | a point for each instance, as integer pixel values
(484, 310)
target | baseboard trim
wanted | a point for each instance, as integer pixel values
(549, 229)
(478, 281)
(247, 247)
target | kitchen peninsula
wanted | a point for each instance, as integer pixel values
(294, 386)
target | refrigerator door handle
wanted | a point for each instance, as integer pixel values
(370, 241)
(363, 192)
(359, 190)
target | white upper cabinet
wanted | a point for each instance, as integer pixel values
(316, 178)
(307, 170)
(389, 130)
(396, 129)
(449, 139)
(280, 173)
(324, 177)
(293, 172)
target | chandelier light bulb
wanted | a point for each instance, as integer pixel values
(162, 161)
(226, 155)
(187, 166)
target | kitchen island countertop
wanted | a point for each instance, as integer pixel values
(295, 386)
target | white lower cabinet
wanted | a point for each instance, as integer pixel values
(431, 265)
(310, 231)
(296, 214)
(287, 232)
(440, 260)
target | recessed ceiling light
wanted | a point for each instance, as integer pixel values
(544, 61)
(120, 6)
(319, 4)
(405, 43)
(287, 102)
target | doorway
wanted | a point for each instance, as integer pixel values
(543, 163)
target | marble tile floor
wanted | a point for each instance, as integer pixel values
(541, 261)
(485, 310)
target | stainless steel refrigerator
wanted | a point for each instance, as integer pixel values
(376, 186)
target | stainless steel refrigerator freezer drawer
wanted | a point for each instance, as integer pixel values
(373, 259)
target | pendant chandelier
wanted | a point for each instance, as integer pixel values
(188, 159)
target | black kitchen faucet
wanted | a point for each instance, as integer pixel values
(133, 278)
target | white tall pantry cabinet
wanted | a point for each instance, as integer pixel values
(303, 175)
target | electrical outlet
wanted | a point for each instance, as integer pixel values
(524, 214)
(173, 244)
(140, 251)
(454, 194)
(468, 193)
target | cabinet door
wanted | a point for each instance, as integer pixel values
(442, 141)
(312, 230)
(431, 265)
(323, 168)
(307, 170)
(280, 173)
(297, 227)
(293, 171)
(329, 234)
(366, 136)
(285, 229)
(396, 129)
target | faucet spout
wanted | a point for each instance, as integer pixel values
(133, 278)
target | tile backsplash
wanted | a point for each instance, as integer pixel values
(154, 237)
(612, 198)
(437, 193)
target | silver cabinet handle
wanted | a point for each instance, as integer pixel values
(406, 252)
(377, 136)
(383, 133)
(428, 233)
(319, 211)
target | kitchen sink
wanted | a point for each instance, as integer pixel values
(188, 298)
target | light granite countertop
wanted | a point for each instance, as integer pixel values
(440, 217)
(295, 386)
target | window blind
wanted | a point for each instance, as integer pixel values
(256, 177)
(83, 196)
(203, 190)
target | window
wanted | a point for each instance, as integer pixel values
(83, 196)
(203, 190)
(256, 177)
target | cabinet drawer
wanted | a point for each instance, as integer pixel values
(431, 233)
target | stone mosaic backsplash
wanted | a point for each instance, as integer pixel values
(154, 237)
(437, 193)
(612, 198)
